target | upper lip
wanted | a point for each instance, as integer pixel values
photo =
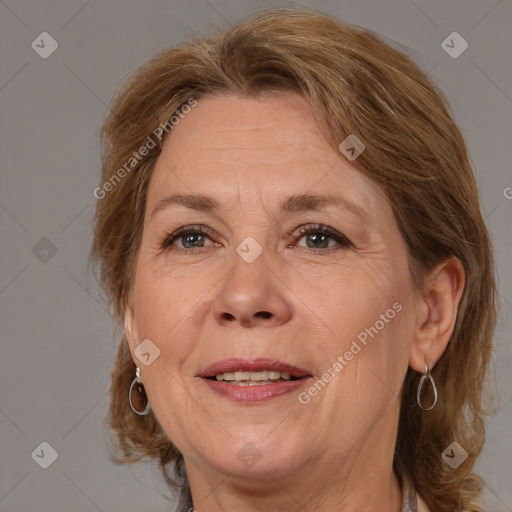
(253, 365)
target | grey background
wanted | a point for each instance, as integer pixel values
(57, 342)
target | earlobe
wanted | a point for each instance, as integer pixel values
(436, 313)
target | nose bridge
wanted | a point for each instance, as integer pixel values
(250, 293)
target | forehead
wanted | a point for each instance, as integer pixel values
(261, 147)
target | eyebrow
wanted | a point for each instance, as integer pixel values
(294, 203)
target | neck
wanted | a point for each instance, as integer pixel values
(364, 481)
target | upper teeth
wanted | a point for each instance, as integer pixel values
(253, 376)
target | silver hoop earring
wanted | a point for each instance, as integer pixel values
(424, 377)
(136, 381)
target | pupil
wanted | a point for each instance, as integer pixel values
(315, 237)
(189, 239)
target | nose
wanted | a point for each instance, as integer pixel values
(251, 295)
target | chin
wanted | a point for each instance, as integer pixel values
(261, 457)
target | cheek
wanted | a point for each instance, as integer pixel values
(367, 321)
(164, 310)
(349, 300)
(163, 297)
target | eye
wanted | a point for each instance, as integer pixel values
(191, 239)
(318, 236)
(187, 239)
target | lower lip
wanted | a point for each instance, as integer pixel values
(256, 393)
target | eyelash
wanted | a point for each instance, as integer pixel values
(307, 229)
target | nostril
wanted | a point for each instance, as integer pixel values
(264, 314)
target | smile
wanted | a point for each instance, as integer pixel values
(253, 380)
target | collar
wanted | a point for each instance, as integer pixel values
(409, 500)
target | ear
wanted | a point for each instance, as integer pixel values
(130, 328)
(436, 312)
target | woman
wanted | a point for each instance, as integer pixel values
(289, 229)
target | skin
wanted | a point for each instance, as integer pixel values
(334, 453)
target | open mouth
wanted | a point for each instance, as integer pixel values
(257, 378)
(254, 380)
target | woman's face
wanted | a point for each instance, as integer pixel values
(263, 279)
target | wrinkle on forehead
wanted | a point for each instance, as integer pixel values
(266, 148)
(248, 114)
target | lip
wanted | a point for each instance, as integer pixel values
(254, 365)
(257, 393)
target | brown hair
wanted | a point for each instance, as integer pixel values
(359, 85)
